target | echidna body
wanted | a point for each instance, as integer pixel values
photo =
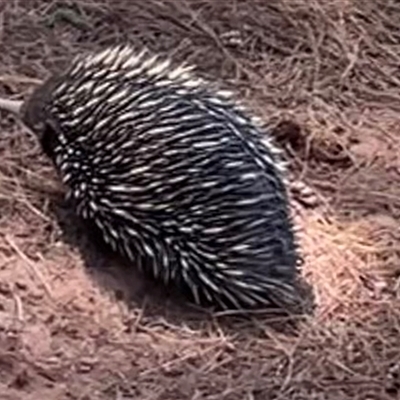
(175, 175)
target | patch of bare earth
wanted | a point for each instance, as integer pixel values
(76, 324)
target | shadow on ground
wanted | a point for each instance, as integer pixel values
(116, 275)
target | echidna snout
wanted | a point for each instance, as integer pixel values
(174, 174)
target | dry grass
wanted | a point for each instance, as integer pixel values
(325, 74)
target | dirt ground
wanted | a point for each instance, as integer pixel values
(77, 324)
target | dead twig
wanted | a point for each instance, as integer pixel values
(32, 266)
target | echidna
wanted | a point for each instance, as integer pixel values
(175, 175)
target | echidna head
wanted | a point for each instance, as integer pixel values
(34, 113)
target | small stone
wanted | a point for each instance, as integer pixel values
(86, 365)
